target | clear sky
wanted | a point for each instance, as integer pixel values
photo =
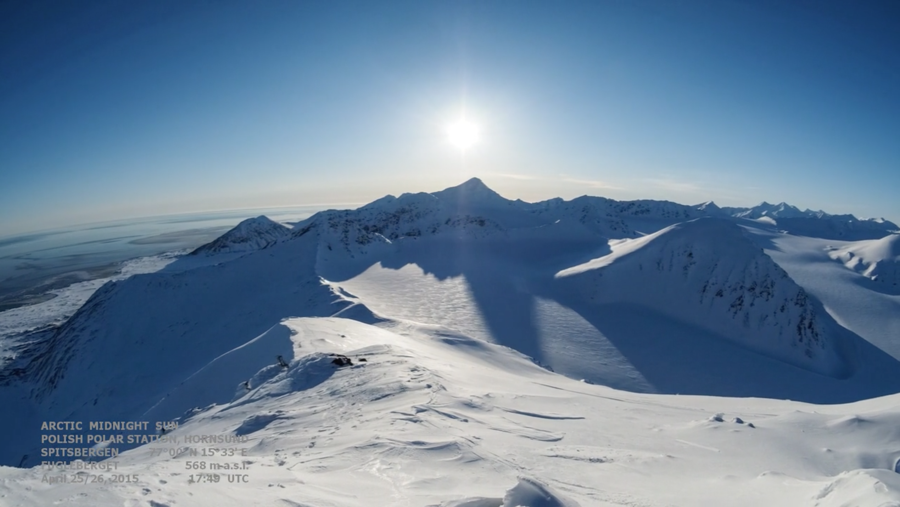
(115, 109)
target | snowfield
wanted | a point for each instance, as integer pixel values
(563, 353)
(878, 260)
(436, 418)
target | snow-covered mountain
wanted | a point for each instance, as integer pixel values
(765, 209)
(251, 234)
(817, 224)
(780, 210)
(105, 361)
(477, 316)
(472, 210)
(708, 273)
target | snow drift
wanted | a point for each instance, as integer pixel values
(433, 418)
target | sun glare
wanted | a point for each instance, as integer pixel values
(463, 134)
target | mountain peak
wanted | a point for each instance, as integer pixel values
(472, 184)
(775, 211)
(251, 234)
(256, 222)
(474, 180)
(472, 192)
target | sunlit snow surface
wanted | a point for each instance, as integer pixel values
(435, 418)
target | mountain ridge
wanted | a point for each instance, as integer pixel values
(472, 261)
(731, 279)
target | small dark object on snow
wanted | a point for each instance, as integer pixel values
(341, 360)
(362, 360)
(246, 384)
(281, 362)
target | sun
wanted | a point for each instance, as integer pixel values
(463, 134)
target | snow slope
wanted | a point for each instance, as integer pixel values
(18, 322)
(708, 273)
(854, 301)
(735, 321)
(434, 418)
(136, 338)
(878, 260)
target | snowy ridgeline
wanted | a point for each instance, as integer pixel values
(473, 210)
(425, 416)
(709, 273)
(645, 296)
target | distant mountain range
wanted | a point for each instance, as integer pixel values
(808, 223)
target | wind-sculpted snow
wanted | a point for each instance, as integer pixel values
(533, 493)
(527, 492)
(229, 376)
(438, 419)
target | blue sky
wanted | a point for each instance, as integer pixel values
(121, 109)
